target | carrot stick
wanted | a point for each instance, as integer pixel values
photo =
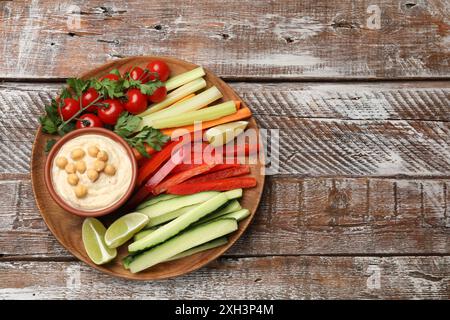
(238, 115)
(238, 104)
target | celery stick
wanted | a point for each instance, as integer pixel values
(188, 118)
(176, 95)
(184, 78)
(203, 247)
(199, 101)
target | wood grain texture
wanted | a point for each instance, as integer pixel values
(243, 278)
(379, 129)
(287, 39)
(297, 216)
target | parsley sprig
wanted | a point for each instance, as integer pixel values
(126, 127)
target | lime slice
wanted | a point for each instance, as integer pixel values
(224, 133)
(93, 234)
(124, 228)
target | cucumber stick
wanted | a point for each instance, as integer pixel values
(184, 78)
(169, 216)
(164, 207)
(177, 225)
(185, 241)
(199, 101)
(233, 194)
(161, 197)
(231, 206)
(188, 118)
(209, 245)
(176, 95)
(238, 215)
(143, 233)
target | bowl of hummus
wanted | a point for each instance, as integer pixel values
(91, 172)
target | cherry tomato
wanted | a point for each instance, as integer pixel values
(137, 101)
(144, 76)
(110, 110)
(111, 76)
(89, 97)
(161, 68)
(158, 95)
(69, 108)
(89, 120)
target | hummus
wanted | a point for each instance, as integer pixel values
(107, 189)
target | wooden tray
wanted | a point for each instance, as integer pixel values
(67, 227)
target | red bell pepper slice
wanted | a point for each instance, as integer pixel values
(167, 168)
(180, 177)
(214, 185)
(221, 174)
(152, 164)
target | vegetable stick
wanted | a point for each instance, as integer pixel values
(184, 78)
(199, 101)
(205, 114)
(150, 166)
(175, 96)
(166, 168)
(214, 185)
(221, 174)
(242, 113)
(181, 177)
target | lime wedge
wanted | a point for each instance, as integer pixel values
(124, 228)
(93, 234)
(224, 133)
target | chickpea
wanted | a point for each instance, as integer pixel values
(102, 155)
(110, 170)
(77, 154)
(80, 166)
(70, 168)
(92, 175)
(61, 162)
(93, 151)
(72, 179)
(99, 165)
(81, 191)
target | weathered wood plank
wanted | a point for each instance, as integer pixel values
(247, 278)
(236, 39)
(296, 216)
(381, 129)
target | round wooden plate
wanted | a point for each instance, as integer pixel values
(67, 227)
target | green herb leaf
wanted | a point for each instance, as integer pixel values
(65, 93)
(115, 71)
(70, 126)
(77, 85)
(109, 88)
(126, 126)
(48, 125)
(49, 145)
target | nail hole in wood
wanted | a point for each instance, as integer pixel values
(225, 36)
(158, 27)
(288, 39)
(71, 34)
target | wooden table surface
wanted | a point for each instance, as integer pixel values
(360, 208)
